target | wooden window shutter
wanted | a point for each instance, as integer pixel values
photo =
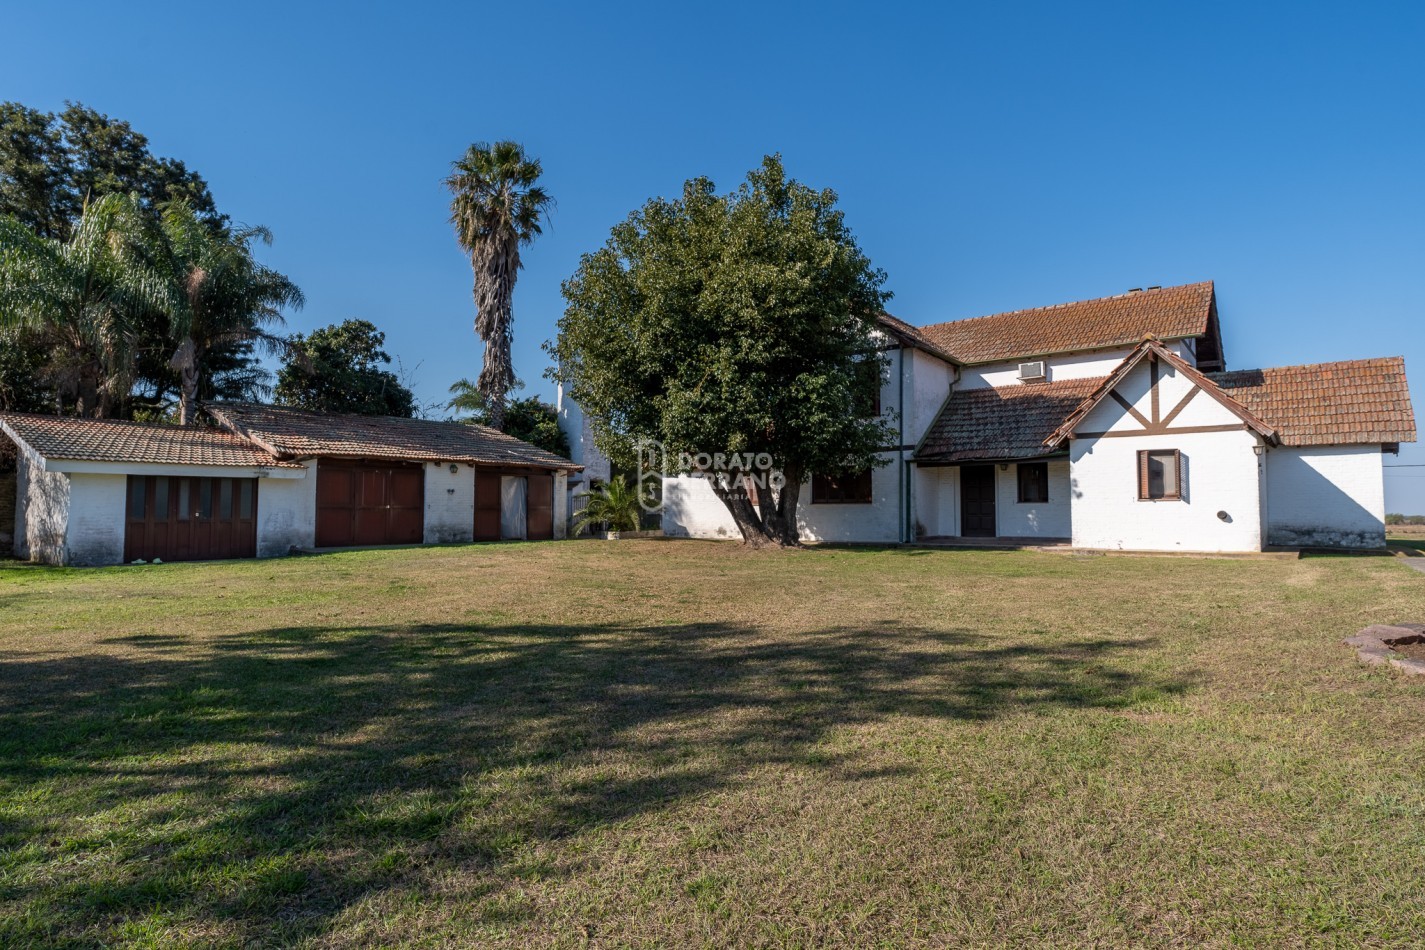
(1177, 473)
(1143, 474)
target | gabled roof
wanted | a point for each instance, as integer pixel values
(1357, 402)
(110, 440)
(297, 433)
(912, 337)
(1006, 423)
(1152, 349)
(1168, 313)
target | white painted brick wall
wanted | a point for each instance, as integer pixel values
(287, 513)
(95, 531)
(1325, 496)
(1049, 519)
(1220, 474)
(450, 503)
(41, 512)
(692, 510)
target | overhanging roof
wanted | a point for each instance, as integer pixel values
(296, 433)
(115, 441)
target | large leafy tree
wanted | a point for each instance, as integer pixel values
(225, 298)
(340, 368)
(497, 206)
(739, 323)
(78, 297)
(531, 418)
(52, 164)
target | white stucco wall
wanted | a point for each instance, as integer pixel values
(41, 511)
(927, 383)
(1049, 519)
(1068, 366)
(936, 500)
(1325, 496)
(287, 513)
(582, 451)
(1221, 473)
(450, 503)
(561, 512)
(692, 510)
(877, 522)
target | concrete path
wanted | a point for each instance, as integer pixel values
(1416, 562)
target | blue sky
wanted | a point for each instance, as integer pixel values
(989, 156)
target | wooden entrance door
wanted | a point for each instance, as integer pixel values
(367, 503)
(977, 501)
(174, 518)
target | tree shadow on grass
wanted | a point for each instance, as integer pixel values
(257, 784)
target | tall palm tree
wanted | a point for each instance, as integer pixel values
(224, 296)
(497, 208)
(82, 296)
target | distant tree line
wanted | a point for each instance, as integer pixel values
(1404, 519)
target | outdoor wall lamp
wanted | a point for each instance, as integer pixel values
(1259, 448)
(454, 468)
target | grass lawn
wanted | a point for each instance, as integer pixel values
(680, 743)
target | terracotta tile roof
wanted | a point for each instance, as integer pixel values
(1005, 423)
(296, 433)
(108, 440)
(1357, 402)
(1169, 313)
(912, 336)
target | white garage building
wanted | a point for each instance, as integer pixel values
(268, 481)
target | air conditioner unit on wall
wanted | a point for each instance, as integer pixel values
(1028, 371)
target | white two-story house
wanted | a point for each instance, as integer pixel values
(1107, 424)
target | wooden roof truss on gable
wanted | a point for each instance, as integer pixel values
(1157, 422)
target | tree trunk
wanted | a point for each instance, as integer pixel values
(775, 523)
(185, 360)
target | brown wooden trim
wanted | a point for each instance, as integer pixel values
(1160, 429)
(1154, 380)
(1128, 407)
(1181, 405)
(1156, 349)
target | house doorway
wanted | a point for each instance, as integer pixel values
(977, 501)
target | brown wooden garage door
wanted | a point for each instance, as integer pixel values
(190, 519)
(541, 507)
(360, 503)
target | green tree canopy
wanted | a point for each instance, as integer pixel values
(339, 368)
(52, 168)
(225, 298)
(531, 418)
(731, 323)
(51, 165)
(77, 299)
